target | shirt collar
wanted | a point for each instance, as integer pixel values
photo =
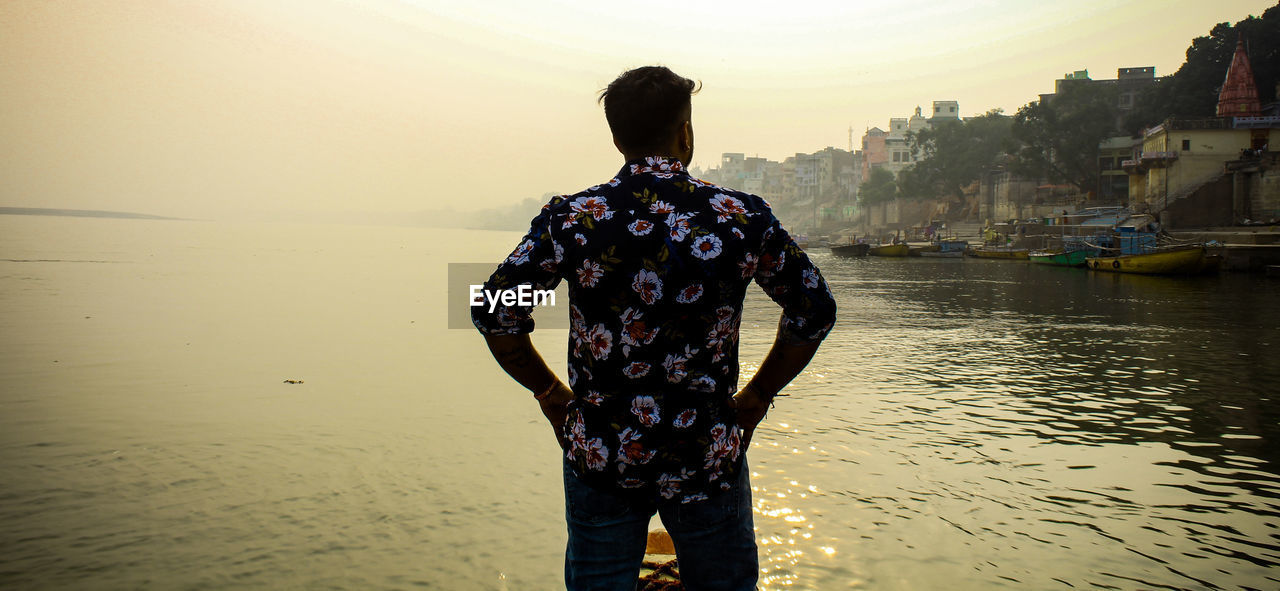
(665, 165)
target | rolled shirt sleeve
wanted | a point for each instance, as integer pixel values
(788, 276)
(534, 262)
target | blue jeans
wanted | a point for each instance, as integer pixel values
(715, 539)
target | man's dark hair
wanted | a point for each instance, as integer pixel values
(646, 106)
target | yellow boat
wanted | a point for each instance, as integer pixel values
(999, 252)
(1179, 261)
(889, 250)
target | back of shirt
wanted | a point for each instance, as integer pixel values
(658, 264)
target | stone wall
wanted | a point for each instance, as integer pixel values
(1210, 205)
(1263, 189)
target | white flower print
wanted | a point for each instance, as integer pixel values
(748, 265)
(630, 450)
(689, 294)
(685, 419)
(810, 278)
(634, 330)
(580, 239)
(640, 227)
(597, 455)
(675, 366)
(669, 485)
(520, 255)
(725, 444)
(637, 369)
(648, 285)
(706, 247)
(646, 409)
(593, 398)
(557, 252)
(704, 384)
(693, 498)
(596, 207)
(678, 223)
(577, 326)
(726, 206)
(661, 207)
(600, 341)
(738, 233)
(590, 273)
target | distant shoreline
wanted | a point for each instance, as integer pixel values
(81, 213)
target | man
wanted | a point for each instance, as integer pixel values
(658, 264)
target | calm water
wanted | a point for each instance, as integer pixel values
(970, 424)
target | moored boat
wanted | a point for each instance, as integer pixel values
(999, 252)
(1071, 258)
(889, 250)
(1172, 261)
(946, 249)
(850, 250)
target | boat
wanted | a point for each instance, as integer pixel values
(946, 249)
(1183, 260)
(889, 250)
(1069, 258)
(915, 251)
(999, 252)
(850, 250)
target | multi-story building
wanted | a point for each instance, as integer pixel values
(944, 111)
(1129, 83)
(1180, 155)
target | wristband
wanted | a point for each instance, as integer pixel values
(540, 396)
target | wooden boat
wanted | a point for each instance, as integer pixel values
(1070, 258)
(659, 570)
(889, 250)
(999, 252)
(915, 251)
(946, 249)
(1175, 261)
(850, 250)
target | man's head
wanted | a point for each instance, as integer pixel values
(648, 110)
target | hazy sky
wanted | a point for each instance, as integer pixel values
(228, 107)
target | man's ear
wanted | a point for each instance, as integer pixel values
(686, 135)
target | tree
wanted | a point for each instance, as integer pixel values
(952, 156)
(1192, 91)
(1058, 139)
(878, 188)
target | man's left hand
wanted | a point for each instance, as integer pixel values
(752, 406)
(556, 408)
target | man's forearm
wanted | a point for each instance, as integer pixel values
(518, 357)
(784, 362)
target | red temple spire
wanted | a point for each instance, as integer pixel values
(1239, 95)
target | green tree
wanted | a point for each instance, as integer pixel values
(1192, 91)
(878, 188)
(952, 156)
(1058, 139)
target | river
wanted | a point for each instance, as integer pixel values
(969, 424)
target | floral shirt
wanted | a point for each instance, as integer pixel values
(658, 264)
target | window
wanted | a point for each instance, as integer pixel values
(951, 109)
(897, 157)
(1186, 145)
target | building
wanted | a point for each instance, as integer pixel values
(891, 150)
(1129, 83)
(944, 111)
(1179, 156)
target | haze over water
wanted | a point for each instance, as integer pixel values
(970, 424)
